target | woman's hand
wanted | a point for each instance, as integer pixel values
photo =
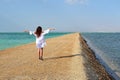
(51, 28)
(26, 30)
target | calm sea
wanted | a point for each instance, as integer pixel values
(107, 49)
(8, 40)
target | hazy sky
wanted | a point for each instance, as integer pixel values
(64, 15)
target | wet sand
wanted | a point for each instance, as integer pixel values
(65, 58)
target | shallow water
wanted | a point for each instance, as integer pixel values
(8, 40)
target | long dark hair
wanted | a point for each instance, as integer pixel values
(38, 31)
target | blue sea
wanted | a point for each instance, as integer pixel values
(107, 50)
(8, 40)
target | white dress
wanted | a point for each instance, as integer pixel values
(40, 41)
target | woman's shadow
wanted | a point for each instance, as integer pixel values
(63, 57)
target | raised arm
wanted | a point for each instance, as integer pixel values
(47, 31)
(30, 32)
(51, 28)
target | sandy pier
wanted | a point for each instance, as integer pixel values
(65, 58)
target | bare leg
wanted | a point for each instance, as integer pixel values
(40, 52)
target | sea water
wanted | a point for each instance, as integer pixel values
(107, 49)
(8, 40)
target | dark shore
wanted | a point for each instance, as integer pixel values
(94, 67)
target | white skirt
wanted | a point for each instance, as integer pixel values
(40, 45)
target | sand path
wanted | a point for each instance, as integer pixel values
(62, 61)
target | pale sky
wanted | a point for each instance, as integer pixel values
(64, 15)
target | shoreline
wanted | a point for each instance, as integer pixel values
(67, 54)
(95, 64)
(101, 61)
